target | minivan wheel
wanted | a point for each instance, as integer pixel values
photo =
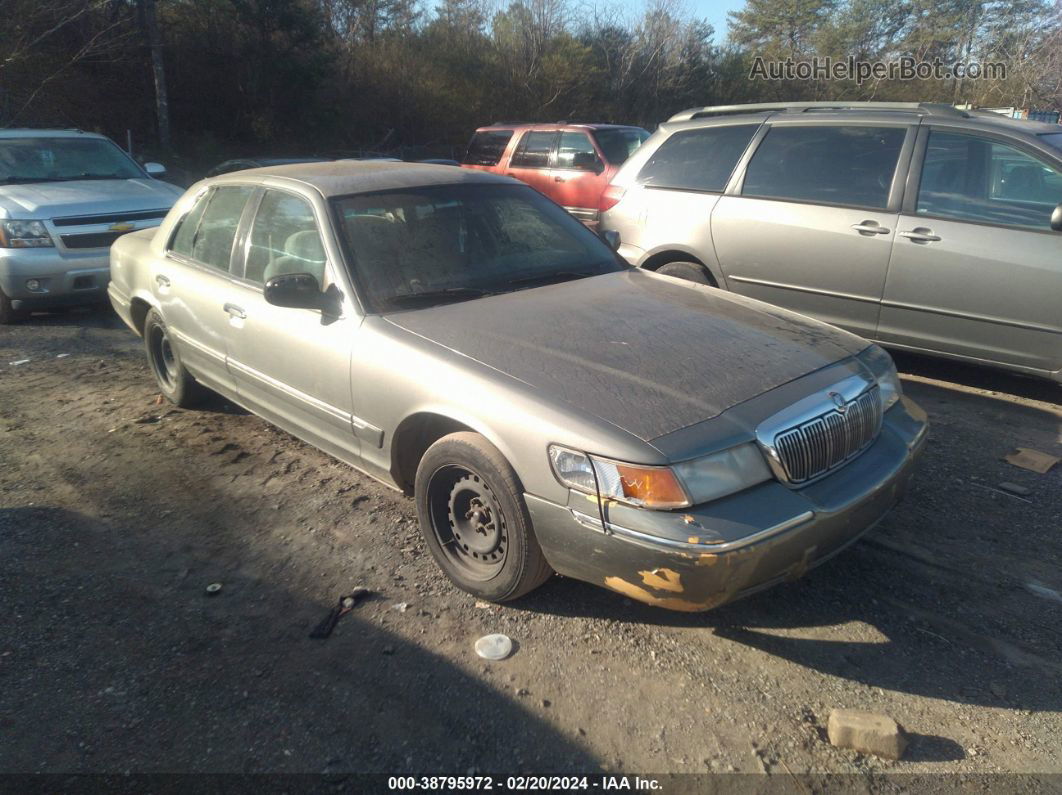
(690, 271)
(474, 520)
(176, 384)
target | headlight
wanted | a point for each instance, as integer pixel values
(648, 487)
(662, 488)
(884, 369)
(720, 474)
(24, 234)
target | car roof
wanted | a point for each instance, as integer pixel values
(559, 125)
(29, 132)
(345, 177)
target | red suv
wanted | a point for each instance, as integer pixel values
(570, 163)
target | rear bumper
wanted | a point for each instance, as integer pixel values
(765, 535)
(62, 279)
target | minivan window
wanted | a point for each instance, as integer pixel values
(211, 241)
(697, 159)
(487, 147)
(982, 180)
(576, 152)
(534, 149)
(845, 165)
(619, 143)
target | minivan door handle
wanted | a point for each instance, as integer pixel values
(920, 235)
(235, 311)
(870, 228)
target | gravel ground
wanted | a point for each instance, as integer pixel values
(117, 511)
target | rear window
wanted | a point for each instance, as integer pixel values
(697, 159)
(487, 147)
(845, 165)
(617, 144)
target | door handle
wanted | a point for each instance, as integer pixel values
(920, 235)
(235, 311)
(162, 281)
(558, 179)
(870, 228)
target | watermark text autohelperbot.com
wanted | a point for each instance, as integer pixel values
(850, 68)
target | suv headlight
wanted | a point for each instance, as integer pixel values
(881, 365)
(24, 234)
(661, 487)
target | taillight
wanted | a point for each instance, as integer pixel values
(611, 197)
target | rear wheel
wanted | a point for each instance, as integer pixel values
(474, 520)
(690, 271)
(175, 382)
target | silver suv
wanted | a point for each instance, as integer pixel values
(65, 196)
(920, 226)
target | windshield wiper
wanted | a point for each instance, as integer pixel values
(27, 180)
(448, 293)
(549, 278)
(94, 176)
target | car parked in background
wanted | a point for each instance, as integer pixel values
(920, 226)
(242, 164)
(570, 163)
(65, 196)
(460, 337)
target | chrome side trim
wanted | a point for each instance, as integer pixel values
(968, 316)
(584, 213)
(795, 288)
(669, 545)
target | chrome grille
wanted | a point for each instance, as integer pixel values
(827, 441)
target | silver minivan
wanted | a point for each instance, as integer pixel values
(920, 226)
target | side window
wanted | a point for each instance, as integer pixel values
(534, 149)
(487, 147)
(831, 165)
(576, 152)
(981, 180)
(210, 240)
(284, 239)
(184, 236)
(697, 159)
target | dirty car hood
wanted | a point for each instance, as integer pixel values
(647, 353)
(45, 200)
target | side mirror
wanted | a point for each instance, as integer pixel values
(1056, 218)
(612, 237)
(155, 169)
(300, 291)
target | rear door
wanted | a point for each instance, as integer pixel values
(530, 161)
(809, 225)
(578, 176)
(292, 365)
(192, 284)
(976, 269)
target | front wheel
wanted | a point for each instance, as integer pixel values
(690, 271)
(474, 520)
(176, 384)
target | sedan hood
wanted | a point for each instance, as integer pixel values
(647, 353)
(46, 200)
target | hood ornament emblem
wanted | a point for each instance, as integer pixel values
(839, 402)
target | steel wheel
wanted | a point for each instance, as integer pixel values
(163, 362)
(467, 520)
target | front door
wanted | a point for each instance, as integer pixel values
(193, 282)
(976, 269)
(812, 226)
(292, 365)
(531, 159)
(577, 176)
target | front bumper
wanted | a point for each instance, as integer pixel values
(714, 553)
(67, 278)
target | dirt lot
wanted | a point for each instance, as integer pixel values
(117, 512)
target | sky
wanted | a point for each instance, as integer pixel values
(715, 12)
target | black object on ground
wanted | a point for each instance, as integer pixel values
(346, 604)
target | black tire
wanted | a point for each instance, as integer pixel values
(474, 520)
(690, 271)
(176, 384)
(8, 313)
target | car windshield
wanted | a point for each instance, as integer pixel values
(27, 160)
(1055, 139)
(416, 247)
(619, 143)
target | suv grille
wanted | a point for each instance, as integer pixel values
(91, 239)
(824, 443)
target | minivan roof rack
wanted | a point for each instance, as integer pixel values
(923, 108)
